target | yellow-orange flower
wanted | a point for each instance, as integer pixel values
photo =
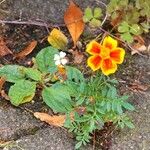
(105, 56)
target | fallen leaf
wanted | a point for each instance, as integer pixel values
(77, 56)
(57, 39)
(139, 87)
(4, 95)
(26, 51)
(138, 46)
(117, 20)
(73, 19)
(2, 81)
(137, 49)
(54, 120)
(4, 50)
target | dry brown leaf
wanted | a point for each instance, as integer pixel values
(117, 20)
(54, 120)
(138, 46)
(73, 19)
(4, 50)
(2, 81)
(77, 56)
(139, 87)
(27, 50)
(4, 95)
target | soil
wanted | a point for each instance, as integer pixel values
(18, 124)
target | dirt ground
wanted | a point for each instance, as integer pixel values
(18, 125)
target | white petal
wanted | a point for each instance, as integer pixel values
(57, 62)
(64, 61)
(62, 54)
(56, 57)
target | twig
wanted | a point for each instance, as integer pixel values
(106, 14)
(24, 23)
(2, 1)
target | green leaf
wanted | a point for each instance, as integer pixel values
(73, 74)
(128, 106)
(33, 74)
(127, 37)
(95, 23)
(45, 60)
(124, 27)
(57, 98)
(21, 92)
(97, 13)
(88, 15)
(135, 29)
(119, 109)
(129, 124)
(78, 145)
(12, 73)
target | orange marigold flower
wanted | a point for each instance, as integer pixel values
(105, 56)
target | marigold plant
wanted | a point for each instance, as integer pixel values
(105, 56)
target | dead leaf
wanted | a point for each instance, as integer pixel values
(4, 50)
(117, 20)
(73, 19)
(4, 95)
(54, 120)
(138, 46)
(77, 56)
(2, 81)
(26, 51)
(139, 87)
(57, 39)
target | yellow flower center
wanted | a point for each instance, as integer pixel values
(105, 53)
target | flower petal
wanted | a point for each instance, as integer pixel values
(117, 55)
(64, 61)
(109, 42)
(93, 48)
(62, 54)
(57, 62)
(108, 66)
(56, 57)
(94, 62)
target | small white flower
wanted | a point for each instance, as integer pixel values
(60, 58)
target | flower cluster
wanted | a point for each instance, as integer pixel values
(105, 56)
(60, 59)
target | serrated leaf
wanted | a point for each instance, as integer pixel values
(57, 39)
(124, 27)
(21, 92)
(12, 73)
(57, 98)
(33, 74)
(97, 12)
(45, 60)
(127, 37)
(135, 29)
(88, 15)
(73, 74)
(95, 23)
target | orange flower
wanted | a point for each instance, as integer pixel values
(105, 56)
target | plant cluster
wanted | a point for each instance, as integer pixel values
(87, 103)
(129, 17)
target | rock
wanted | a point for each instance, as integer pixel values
(46, 139)
(138, 138)
(15, 123)
(44, 10)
